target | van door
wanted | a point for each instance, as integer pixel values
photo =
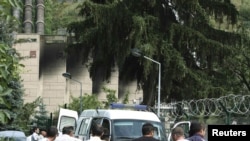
(184, 124)
(66, 118)
(84, 124)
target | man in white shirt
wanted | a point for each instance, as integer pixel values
(34, 136)
(67, 134)
(178, 134)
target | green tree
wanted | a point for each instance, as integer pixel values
(41, 117)
(126, 98)
(11, 91)
(62, 12)
(25, 114)
(239, 63)
(110, 94)
(89, 102)
(179, 33)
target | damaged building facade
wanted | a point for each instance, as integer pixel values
(45, 62)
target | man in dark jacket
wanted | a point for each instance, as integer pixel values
(197, 131)
(147, 132)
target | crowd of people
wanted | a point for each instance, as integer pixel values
(197, 132)
(42, 134)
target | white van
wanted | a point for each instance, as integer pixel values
(123, 125)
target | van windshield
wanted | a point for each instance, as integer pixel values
(126, 130)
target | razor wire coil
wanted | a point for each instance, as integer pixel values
(234, 104)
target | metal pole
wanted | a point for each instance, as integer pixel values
(136, 52)
(81, 99)
(159, 84)
(68, 76)
(159, 91)
(81, 103)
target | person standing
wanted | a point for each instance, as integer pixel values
(178, 134)
(34, 135)
(147, 133)
(197, 131)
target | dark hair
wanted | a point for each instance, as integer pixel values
(34, 129)
(147, 128)
(97, 130)
(52, 132)
(67, 129)
(195, 127)
(43, 129)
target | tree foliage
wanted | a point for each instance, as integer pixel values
(238, 64)
(40, 116)
(11, 91)
(25, 115)
(180, 34)
(89, 102)
(62, 13)
(111, 98)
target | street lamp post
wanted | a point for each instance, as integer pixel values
(68, 76)
(137, 53)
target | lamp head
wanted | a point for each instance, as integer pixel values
(66, 75)
(136, 52)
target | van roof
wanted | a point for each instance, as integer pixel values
(121, 114)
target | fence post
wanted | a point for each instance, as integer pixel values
(227, 113)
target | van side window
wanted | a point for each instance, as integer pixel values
(124, 128)
(83, 130)
(67, 121)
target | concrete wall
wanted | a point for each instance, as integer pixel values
(29, 47)
(53, 64)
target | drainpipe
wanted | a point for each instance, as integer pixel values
(28, 24)
(40, 17)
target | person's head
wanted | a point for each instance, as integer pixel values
(69, 130)
(97, 130)
(177, 133)
(52, 133)
(197, 128)
(35, 130)
(148, 129)
(43, 132)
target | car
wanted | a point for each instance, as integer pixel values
(12, 135)
(122, 124)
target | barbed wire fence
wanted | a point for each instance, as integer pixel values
(230, 109)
